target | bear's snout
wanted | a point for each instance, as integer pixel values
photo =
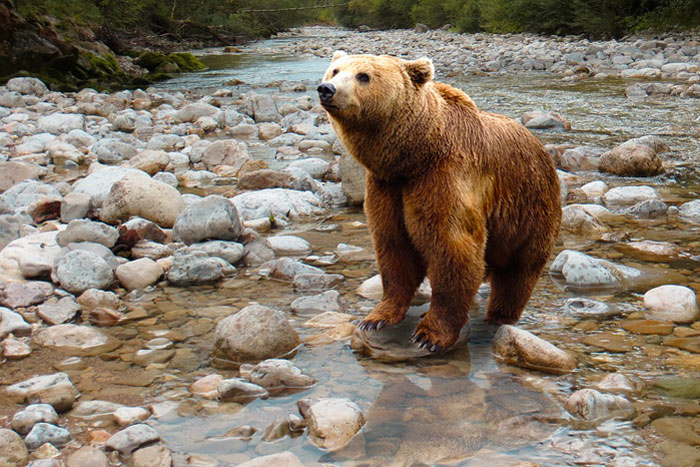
(326, 91)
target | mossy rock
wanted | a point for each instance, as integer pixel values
(153, 61)
(186, 61)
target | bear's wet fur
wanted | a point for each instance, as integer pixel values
(452, 192)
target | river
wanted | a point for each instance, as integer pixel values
(464, 408)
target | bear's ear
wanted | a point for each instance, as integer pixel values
(421, 71)
(338, 54)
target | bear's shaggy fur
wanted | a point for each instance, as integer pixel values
(452, 192)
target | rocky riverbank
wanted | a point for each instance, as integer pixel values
(168, 257)
(668, 63)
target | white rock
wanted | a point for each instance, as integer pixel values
(326, 301)
(672, 303)
(276, 373)
(592, 405)
(72, 338)
(280, 203)
(129, 415)
(11, 322)
(624, 196)
(289, 245)
(690, 211)
(139, 274)
(25, 85)
(39, 248)
(60, 123)
(333, 423)
(580, 270)
(522, 348)
(99, 182)
(24, 420)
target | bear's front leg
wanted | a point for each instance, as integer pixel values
(400, 265)
(452, 239)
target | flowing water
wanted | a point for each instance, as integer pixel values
(464, 408)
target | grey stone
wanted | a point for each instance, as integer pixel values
(326, 301)
(23, 421)
(580, 270)
(131, 438)
(194, 268)
(232, 252)
(22, 195)
(253, 334)
(99, 182)
(26, 85)
(60, 123)
(239, 391)
(85, 230)
(274, 374)
(74, 205)
(43, 433)
(152, 456)
(13, 323)
(24, 294)
(58, 312)
(112, 150)
(288, 269)
(56, 390)
(289, 245)
(282, 459)
(690, 211)
(80, 270)
(87, 456)
(213, 217)
(280, 203)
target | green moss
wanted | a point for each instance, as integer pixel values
(151, 60)
(186, 61)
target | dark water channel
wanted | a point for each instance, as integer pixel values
(464, 408)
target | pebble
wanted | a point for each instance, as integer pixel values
(126, 416)
(521, 348)
(332, 423)
(592, 405)
(12, 349)
(274, 374)
(206, 386)
(58, 312)
(610, 342)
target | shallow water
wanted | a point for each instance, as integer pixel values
(463, 408)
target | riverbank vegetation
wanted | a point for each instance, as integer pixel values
(593, 18)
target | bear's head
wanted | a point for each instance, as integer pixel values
(360, 89)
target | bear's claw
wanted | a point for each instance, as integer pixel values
(424, 343)
(372, 325)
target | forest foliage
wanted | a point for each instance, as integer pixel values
(254, 18)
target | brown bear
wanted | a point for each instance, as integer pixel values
(452, 192)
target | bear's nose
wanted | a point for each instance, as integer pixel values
(326, 91)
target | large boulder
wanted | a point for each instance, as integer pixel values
(213, 217)
(631, 160)
(137, 194)
(254, 334)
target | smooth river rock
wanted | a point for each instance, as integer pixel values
(137, 194)
(213, 218)
(279, 203)
(43, 433)
(521, 348)
(75, 339)
(56, 390)
(253, 334)
(282, 459)
(12, 449)
(332, 423)
(11, 322)
(631, 160)
(80, 270)
(85, 230)
(131, 438)
(196, 268)
(277, 373)
(592, 405)
(87, 456)
(583, 271)
(673, 303)
(23, 421)
(139, 274)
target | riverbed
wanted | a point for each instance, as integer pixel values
(465, 407)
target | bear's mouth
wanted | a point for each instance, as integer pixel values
(329, 106)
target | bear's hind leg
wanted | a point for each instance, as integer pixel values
(511, 288)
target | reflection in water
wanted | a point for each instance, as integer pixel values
(443, 409)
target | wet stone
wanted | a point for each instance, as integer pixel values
(131, 438)
(254, 334)
(313, 304)
(24, 294)
(195, 268)
(619, 383)
(231, 252)
(139, 274)
(145, 357)
(677, 386)
(592, 405)
(239, 391)
(329, 319)
(521, 348)
(672, 303)
(23, 421)
(46, 433)
(76, 339)
(126, 416)
(13, 323)
(277, 373)
(152, 456)
(207, 386)
(289, 245)
(586, 308)
(288, 269)
(690, 344)
(333, 334)
(332, 423)
(95, 411)
(647, 326)
(610, 342)
(679, 429)
(56, 390)
(58, 312)
(282, 459)
(312, 282)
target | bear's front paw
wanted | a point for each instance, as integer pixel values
(431, 337)
(384, 313)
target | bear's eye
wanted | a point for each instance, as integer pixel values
(363, 77)
(335, 72)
